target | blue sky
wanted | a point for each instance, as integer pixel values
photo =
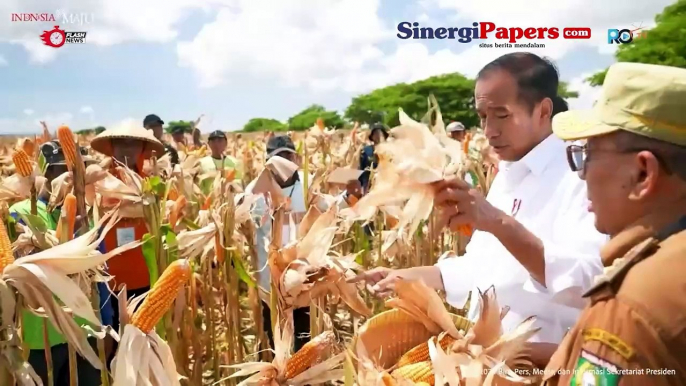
(233, 60)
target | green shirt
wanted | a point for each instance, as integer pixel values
(32, 328)
(210, 164)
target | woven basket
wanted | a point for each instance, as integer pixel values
(390, 334)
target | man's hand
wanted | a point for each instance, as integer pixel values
(95, 173)
(375, 280)
(460, 204)
(381, 281)
(541, 353)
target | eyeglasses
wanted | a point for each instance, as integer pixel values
(577, 156)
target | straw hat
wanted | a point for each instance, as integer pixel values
(103, 142)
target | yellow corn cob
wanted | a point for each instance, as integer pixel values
(420, 353)
(28, 146)
(67, 216)
(417, 372)
(66, 138)
(22, 163)
(162, 295)
(312, 353)
(6, 256)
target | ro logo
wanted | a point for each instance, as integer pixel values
(622, 36)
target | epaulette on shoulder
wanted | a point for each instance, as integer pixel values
(612, 276)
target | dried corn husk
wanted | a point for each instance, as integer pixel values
(414, 158)
(262, 373)
(42, 276)
(419, 312)
(304, 269)
(143, 359)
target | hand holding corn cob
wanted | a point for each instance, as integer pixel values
(462, 206)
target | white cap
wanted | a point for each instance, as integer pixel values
(455, 126)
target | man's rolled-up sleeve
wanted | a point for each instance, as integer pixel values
(568, 274)
(457, 274)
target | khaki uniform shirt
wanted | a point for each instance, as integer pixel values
(633, 332)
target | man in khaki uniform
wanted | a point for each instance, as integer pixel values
(633, 332)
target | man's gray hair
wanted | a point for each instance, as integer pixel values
(673, 157)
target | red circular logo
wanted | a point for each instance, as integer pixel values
(54, 38)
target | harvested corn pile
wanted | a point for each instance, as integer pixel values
(452, 348)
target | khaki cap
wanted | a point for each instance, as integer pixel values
(102, 143)
(644, 99)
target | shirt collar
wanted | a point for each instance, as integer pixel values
(645, 227)
(538, 159)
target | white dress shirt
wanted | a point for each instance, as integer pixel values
(544, 195)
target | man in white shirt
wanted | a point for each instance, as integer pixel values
(535, 241)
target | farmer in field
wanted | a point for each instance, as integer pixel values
(217, 161)
(197, 141)
(368, 159)
(534, 239)
(32, 328)
(179, 137)
(456, 131)
(154, 123)
(130, 146)
(283, 146)
(634, 162)
(55, 167)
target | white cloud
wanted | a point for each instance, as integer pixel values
(125, 123)
(28, 111)
(86, 110)
(39, 53)
(107, 22)
(587, 93)
(300, 44)
(295, 42)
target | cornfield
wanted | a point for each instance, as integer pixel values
(201, 322)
